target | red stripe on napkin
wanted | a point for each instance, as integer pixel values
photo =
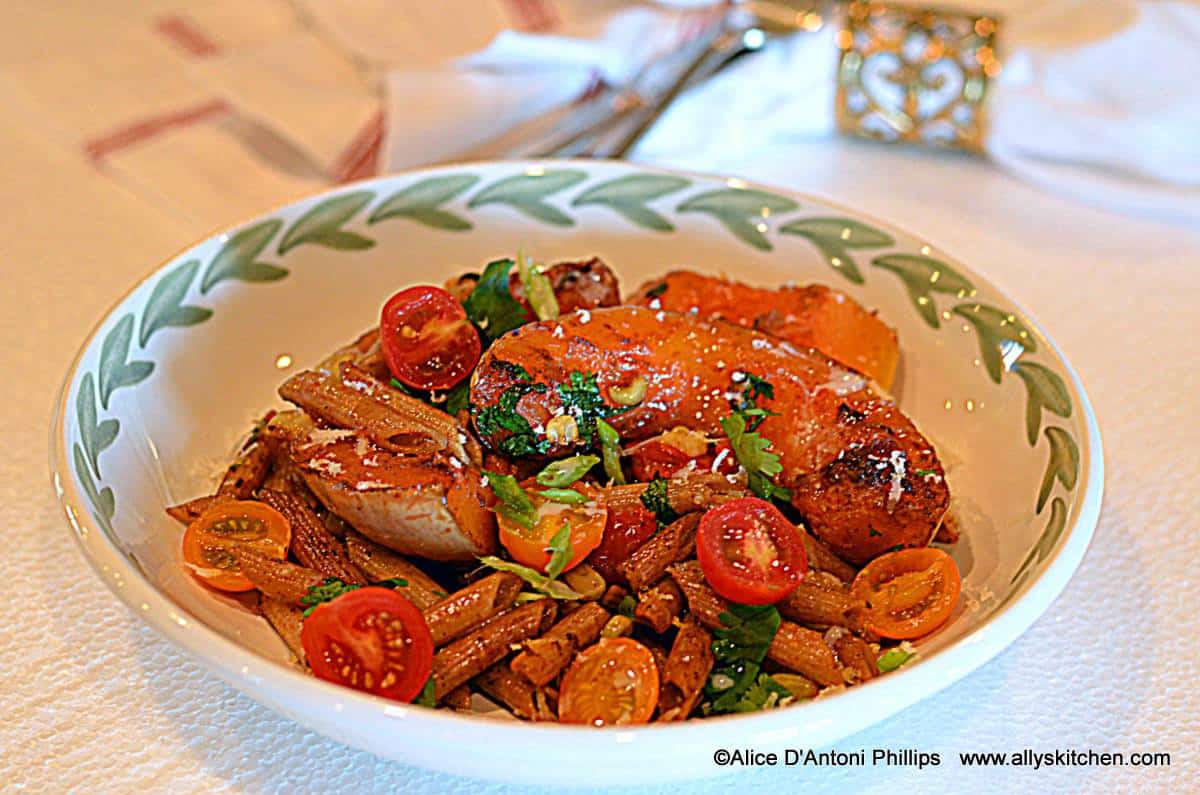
(186, 35)
(360, 156)
(148, 128)
(533, 16)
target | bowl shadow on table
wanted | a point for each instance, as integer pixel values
(256, 750)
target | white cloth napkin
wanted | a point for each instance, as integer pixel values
(1113, 121)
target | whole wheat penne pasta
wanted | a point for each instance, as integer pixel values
(380, 563)
(613, 596)
(251, 466)
(458, 699)
(467, 608)
(853, 653)
(691, 491)
(489, 643)
(822, 558)
(277, 579)
(514, 692)
(802, 650)
(545, 657)
(659, 605)
(687, 669)
(673, 543)
(288, 620)
(313, 544)
(815, 603)
(188, 512)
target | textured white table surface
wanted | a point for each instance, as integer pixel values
(93, 701)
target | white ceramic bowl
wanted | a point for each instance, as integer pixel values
(180, 366)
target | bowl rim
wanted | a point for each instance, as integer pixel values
(238, 665)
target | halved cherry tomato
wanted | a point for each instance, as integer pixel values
(528, 546)
(427, 341)
(612, 683)
(371, 639)
(750, 552)
(909, 593)
(655, 459)
(627, 529)
(233, 523)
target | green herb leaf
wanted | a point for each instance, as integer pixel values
(562, 473)
(490, 306)
(503, 416)
(428, 695)
(657, 290)
(332, 588)
(567, 496)
(610, 449)
(739, 647)
(582, 400)
(459, 397)
(627, 605)
(752, 453)
(538, 581)
(924, 472)
(560, 551)
(655, 500)
(538, 290)
(754, 388)
(893, 658)
(515, 504)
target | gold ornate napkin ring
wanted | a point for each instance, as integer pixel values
(916, 75)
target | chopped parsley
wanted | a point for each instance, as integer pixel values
(610, 449)
(627, 605)
(332, 588)
(747, 404)
(582, 400)
(657, 290)
(459, 397)
(752, 453)
(512, 368)
(655, 500)
(562, 473)
(428, 694)
(515, 504)
(893, 658)
(924, 472)
(490, 306)
(740, 646)
(503, 416)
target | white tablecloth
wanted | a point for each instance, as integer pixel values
(94, 701)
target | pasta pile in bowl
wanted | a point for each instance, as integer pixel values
(696, 500)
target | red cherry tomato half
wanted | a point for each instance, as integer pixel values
(627, 529)
(750, 552)
(370, 639)
(909, 593)
(656, 459)
(427, 341)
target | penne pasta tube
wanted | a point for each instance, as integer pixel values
(380, 563)
(288, 620)
(277, 579)
(489, 643)
(822, 558)
(188, 512)
(251, 466)
(802, 650)
(659, 606)
(458, 699)
(854, 654)
(691, 491)
(514, 692)
(686, 671)
(815, 603)
(648, 564)
(312, 543)
(545, 657)
(465, 609)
